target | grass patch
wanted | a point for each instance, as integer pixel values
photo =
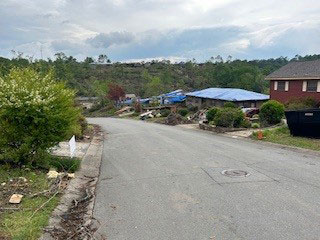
(282, 136)
(65, 164)
(18, 224)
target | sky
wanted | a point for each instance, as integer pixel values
(177, 30)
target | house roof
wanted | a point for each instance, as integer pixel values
(130, 95)
(228, 94)
(297, 70)
(174, 93)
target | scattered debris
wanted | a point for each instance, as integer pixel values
(73, 225)
(15, 198)
(175, 119)
(123, 110)
(3, 184)
(23, 179)
(52, 174)
(146, 115)
(70, 175)
(126, 114)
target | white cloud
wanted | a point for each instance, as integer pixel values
(134, 29)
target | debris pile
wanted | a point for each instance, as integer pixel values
(73, 224)
(175, 119)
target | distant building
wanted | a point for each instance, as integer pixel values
(177, 96)
(295, 80)
(130, 96)
(219, 96)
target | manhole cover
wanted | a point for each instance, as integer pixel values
(235, 173)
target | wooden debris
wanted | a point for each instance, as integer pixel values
(52, 174)
(15, 198)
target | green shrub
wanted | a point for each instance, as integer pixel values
(183, 112)
(229, 117)
(36, 113)
(271, 112)
(301, 103)
(230, 105)
(255, 125)
(246, 123)
(211, 113)
(192, 108)
(165, 112)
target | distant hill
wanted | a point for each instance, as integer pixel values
(152, 78)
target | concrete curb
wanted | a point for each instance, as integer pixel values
(86, 176)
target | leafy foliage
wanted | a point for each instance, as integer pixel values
(230, 105)
(165, 112)
(92, 76)
(302, 103)
(229, 117)
(115, 92)
(211, 113)
(271, 112)
(35, 114)
(183, 112)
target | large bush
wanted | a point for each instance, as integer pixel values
(230, 105)
(271, 112)
(211, 113)
(35, 114)
(183, 112)
(229, 117)
(165, 112)
(302, 103)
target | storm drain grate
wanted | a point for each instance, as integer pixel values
(235, 173)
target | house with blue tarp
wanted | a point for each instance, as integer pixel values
(177, 96)
(219, 96)
(131, 101)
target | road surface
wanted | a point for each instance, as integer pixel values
(163, 182)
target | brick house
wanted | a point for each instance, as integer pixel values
(295, 80)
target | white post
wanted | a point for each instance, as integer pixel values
(72, 145)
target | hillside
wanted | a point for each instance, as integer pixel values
(148, 79)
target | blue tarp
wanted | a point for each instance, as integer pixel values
(130, 101)
(174, 93)
(228, 94)
(176, 99)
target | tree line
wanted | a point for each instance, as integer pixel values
(92, 77)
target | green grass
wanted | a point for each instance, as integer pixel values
(18, 224)
(282, 136)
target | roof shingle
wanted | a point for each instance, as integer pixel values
(297, 70)
(229, 94)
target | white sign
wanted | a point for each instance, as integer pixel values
(72, 145)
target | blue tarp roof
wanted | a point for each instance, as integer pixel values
(176, 99)
(174, 93)
(228, 94)
(130, 101)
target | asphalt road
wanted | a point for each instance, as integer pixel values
(162, 182)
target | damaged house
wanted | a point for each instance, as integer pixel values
(219, 96)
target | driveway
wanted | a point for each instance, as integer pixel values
(163, 182)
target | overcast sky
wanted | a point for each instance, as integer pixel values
(154, 29)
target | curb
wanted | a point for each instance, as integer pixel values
(86, 176)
